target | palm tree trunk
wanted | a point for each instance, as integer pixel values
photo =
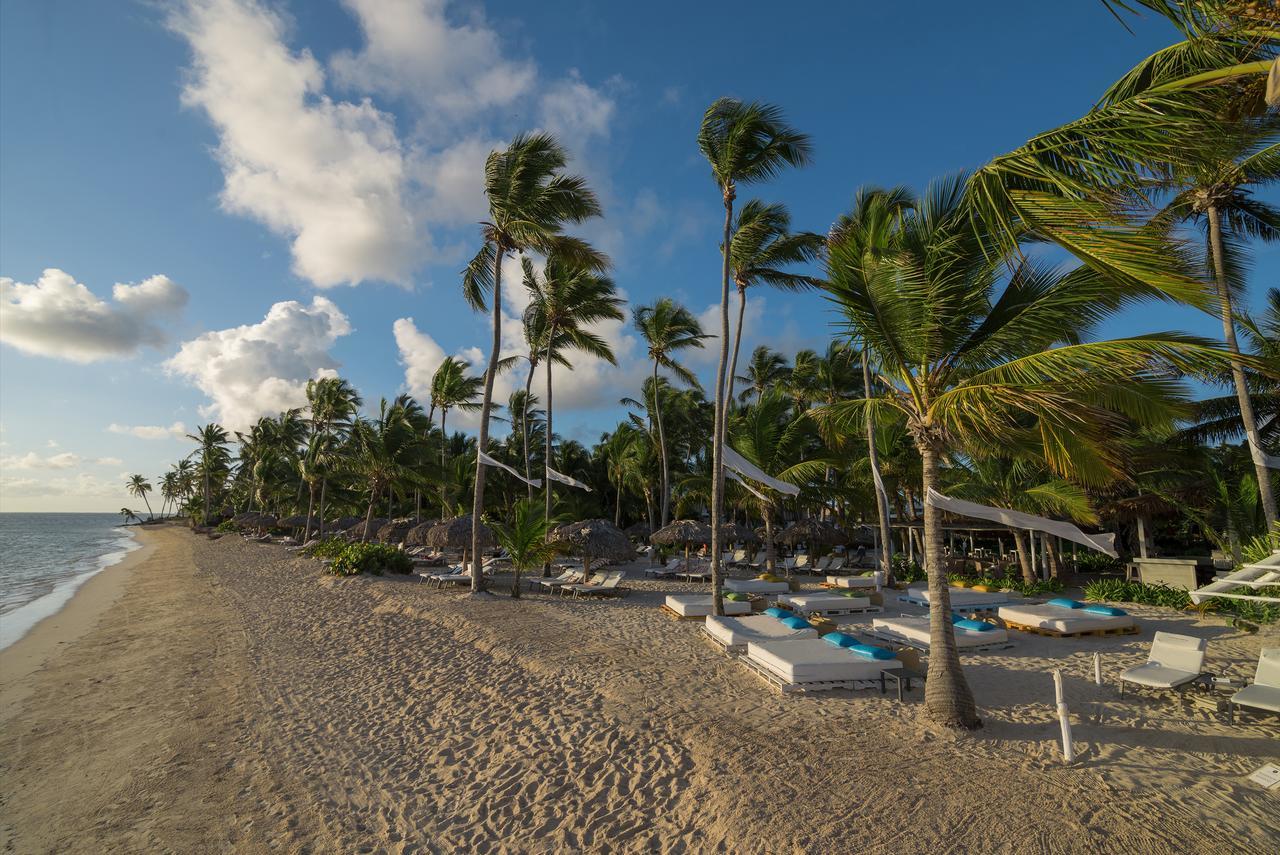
(948, 699)
(1022, 547)
(311, 503)
(617, 506)
(1265, 492)
(717, 441)
(444, 477)
(770, 551)
(368, 515)
(551, 333)
(662, 448)
(524, 427)
(150, 515)
(482, 441)
(737, 343)
(207, 490)
(873, 456)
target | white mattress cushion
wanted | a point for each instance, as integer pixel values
(1259, 697)
(699, 605)
(814, 660)
(852, 581)
(735, 632)
(823, 602)
(755, 586)
(1157, 676)
(1062, 620)
(964, 597)
(917, 629)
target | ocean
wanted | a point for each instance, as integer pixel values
(44, 558)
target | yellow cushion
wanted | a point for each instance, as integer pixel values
(961, 584)
(768, 577)
(982, 588)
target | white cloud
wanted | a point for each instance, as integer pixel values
(108, 461)
(31, 460)
(177, 430)
(82, 485)
(58, 317)
(262, 369)
(576, 111)
(421, 355)
(327, 174)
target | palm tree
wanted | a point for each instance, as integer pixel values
(968, 356)
(213, 454)
(523, 407)
(138, 487)
(766, 368)
(334, 404)
(451, 388)
(525, 540)
(564, 302)
(619, 451)
(384, 448)
(667, 328)
(530, 200)
(744, 143)
(128, 515)
(763, 244)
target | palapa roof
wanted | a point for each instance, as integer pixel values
(681, 532)
(395, 531)
(356, 532)
(730, 532)
(417, 535)
(639, 529)
(298, 521)
(456, 534)
(813, 532)
(595, 538)
(342, 524)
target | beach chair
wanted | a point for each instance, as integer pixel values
(821, 566)
(591, 579)
(834, 661)
(610, 586)
(801, 562)
(739, 557)
(568, 577)
(1264, 692)
(671, 568)
(758, 562)
(454, 575)
(696, 573)
(1174, 661)
(836, 565)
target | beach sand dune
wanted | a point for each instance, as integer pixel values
(245, 702)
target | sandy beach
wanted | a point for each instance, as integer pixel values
(218, 696)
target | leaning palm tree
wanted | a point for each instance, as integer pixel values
(530, 200)
(565, 300)
(451, 388)
(973, 344)
(744, 144)
(667, 328)
(138, 487)
(766, 368)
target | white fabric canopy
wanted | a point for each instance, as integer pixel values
(1018, 519)
(1261, 458)
(489, 461)
(875, 476)
(553, 475)
(734, 476)
(742, 466)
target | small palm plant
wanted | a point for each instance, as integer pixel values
(525, 541)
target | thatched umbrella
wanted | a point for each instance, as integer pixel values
(341, 524)
(417, 536)
(395, 531)
(298, 521)
(640, 530)
(360, 531)
(814, 533)
(244, 519)
(456, 534)
(595, 539)
(731, 532)
(682, 532)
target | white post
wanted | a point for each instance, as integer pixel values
(1068, 749)
(1142, 537)
(1097, 668)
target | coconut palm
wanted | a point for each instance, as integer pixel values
(213, 455)
(530, 200)
(128, 515)
(525, 541)
(333, 403)
(970, 354)
(451, 388)
(667, 328)
(744, 144)
(565, 301)
(619, 451)
(138, 486)
(525, 415)
(766, 368)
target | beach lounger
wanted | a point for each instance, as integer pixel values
(688, 606)
(873, 581)
(609, 586)
(836, 565)
(835, 661)
(1063, 617)
(698, 573)
(914, 632)
(761, 557)
(739, 557)
(755, 586)
(592, 579)
(1174, 661)
(1264, 692)
(820, 566)
(456, 573)
(963, 599)
(552, 586)
(801, 563)
(732, 634)
(667, 571)
(826, 604)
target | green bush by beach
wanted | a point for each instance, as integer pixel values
(372, 558)
(330, 547)
(1121, 591)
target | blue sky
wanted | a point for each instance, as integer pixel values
(280, 187)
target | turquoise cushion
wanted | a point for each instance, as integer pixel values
(975, 625)
(870, 651)
(1065, 603)
(839, 639)
(1109, 611)
(774, 611)
(796, 622)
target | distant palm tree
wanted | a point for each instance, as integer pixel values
(619, 451)
(213, 454)
(138, 486)
(451, 388)
(384, 449)
(530, 201)
(667, 328)
(128, 515)
(744, 144)
(766, 368)
(334, 404)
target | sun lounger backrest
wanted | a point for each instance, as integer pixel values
(836, 564)
(1181, 652)
(1268, 668)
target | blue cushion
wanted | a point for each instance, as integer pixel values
(1065, 603)
(840, 639)
(975, 625)
(1109, 611)
(796, 622)
(774, 611)
(870, 651)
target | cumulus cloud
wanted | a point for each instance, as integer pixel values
(59, 317)
(82, 485)
(31, 460)
(108, 461)
(177, 430)
(262, 369)
(327, 174)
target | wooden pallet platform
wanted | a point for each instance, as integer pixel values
(786, 688)
(1053, 633)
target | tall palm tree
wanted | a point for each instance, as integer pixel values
(213, 440)
(523, 407)
(667, 328)
(619, 451)
(968, 356)
(763, 244)
(565, 301)
(744, 144)
(138, 486)
(384, 448)
(766, 368)
(451, 388)
(530, 201)
(333, 403)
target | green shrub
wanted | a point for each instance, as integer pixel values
(330, 547)
(905, 570)
(227, 526)
(1107, 590)
(372, 558)
(1096, 562)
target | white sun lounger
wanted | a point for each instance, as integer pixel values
(809, 665)
(1174, 661)
(1264, 693)
(733, 633)
(914, 632)
(1056, 620)
(963, 599)
(699, 606)
(826, 604)
(873, 581)
(755, 586)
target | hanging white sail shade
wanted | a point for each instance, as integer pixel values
(1018, 519)
(1261, 458)
(489, 461)
(553, 475)
(734, 476)
(742, 466)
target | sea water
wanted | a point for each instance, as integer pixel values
(44, 558)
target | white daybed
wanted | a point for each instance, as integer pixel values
(732, 634)
(914, 632)
(700, 606)
(813, 665)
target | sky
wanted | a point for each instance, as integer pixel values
(204, 204)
